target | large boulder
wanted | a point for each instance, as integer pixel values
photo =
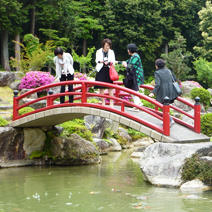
(73, 151)
(185, 107)
(194, 186)
(32, 96)
(96, 124)
(36, 105)
(6, 78)
(111, 125)
(103, 146)
(124, 134)
(15, 85)
(187, 86)
(11, 144)
(161, 163)
(114, 145)
(34, 139)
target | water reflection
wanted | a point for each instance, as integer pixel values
(114, 185)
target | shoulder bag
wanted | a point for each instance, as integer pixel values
(176, 85)
(113, 73)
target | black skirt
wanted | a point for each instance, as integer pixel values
(103, 76)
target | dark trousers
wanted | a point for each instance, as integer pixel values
(70, 87)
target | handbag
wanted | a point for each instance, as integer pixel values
(113, 73)
(176, 85)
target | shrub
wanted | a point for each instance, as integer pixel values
(80, 76)
(3, 122)
(25, 110)
(135, 135)
(194, 168)
(206, 124)
(35, 79)
(76, 126)
(203, 94)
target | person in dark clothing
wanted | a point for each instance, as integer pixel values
(164, 84)
(135, 73)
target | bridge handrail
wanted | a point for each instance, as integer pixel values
(84, 94)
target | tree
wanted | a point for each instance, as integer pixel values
(178, 58)
(205, 48)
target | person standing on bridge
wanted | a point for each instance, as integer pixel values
(164, 84)
(64, 70)
(135, 69)
(104, 56)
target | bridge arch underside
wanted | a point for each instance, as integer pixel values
(57, 116)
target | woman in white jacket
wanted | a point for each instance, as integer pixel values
(64, 70)
(104, 57)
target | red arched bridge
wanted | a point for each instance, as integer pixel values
(147, 120)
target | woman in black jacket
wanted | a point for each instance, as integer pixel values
(164, 84)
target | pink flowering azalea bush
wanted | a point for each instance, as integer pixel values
(195, 83)
(35, 79)
(80, 76)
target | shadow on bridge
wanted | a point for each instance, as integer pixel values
(147, 120)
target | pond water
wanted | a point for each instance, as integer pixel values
(114, 185)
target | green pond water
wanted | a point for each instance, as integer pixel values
(114, 185)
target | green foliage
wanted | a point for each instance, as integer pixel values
(205, 15)
(93, 100)
(203, 94)
(3, 122)
(135, 135)
(204, 71)
(34, 56)
(25, 110)
(194, 168)
(83, 61)
(206, 124)
(122, 141)
(177, 59)
(76, 126)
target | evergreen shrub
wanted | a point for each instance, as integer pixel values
(3, 122)
(25, 110)
(206, 124)
(203, 94)
(194, 168)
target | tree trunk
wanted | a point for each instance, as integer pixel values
(84, 52)
(32, 30)
(4, 50)
(166, 48)
(17, 49)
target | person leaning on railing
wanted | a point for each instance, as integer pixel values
(135, 73)
(104, 56)
(164, 84)
(64, 70)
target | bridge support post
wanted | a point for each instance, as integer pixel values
(197, 119)
(84, 91)
(49, 100)
(15, 105)
(166, 116)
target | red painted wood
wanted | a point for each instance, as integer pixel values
(197, 119)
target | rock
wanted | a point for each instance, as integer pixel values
(1, 100)
(104, 147)
(210, 90)
(32, 96)
(58, 130)
(161, 163)
(194, 185)
(114, 145)
(15, 85)
(138, 152)
(34, 139)
(111, 125)
(206, 159)
(16, 163)
(11, 143)
(6, 78)
(6, 107)
(73, 151)
(209, 110)
(185, 107)
(36, 105)
(146, 141)
(97, 125)
(55, 90)
(124, 134)
(187, 119)
(87, 126)
(188, 86)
